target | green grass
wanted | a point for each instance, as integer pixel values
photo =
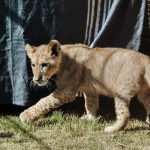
(68, 132)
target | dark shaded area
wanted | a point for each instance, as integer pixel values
(72, 21)
(145, 41)
(9, 109)
(106, 110)
(6, 134)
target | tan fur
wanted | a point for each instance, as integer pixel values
(114, 72)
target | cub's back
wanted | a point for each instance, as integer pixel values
(107, 64)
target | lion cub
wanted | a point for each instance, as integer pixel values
(114, 72)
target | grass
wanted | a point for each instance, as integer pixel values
(60, 131)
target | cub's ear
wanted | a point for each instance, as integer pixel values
(55, 47)
(30, 50)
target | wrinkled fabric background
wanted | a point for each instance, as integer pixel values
(105, 23)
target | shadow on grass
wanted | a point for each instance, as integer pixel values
(137, 129)
(39, 141)
(4, 134)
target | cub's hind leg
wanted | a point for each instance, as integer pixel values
(122, 115)
(125, 87)
(91, 105)
(144, 98)
(122, 100)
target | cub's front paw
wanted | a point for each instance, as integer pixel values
(27, 116)
(113, 128)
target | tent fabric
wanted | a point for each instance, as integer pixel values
(104, 23)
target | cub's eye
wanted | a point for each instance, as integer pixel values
(44, 65)
(33, 65)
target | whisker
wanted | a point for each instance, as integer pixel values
(53, 79)
(51, 84)
(33, 85)
(48, 87)
(30, 85)
(29, 79)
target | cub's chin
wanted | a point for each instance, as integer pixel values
(41, 82)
